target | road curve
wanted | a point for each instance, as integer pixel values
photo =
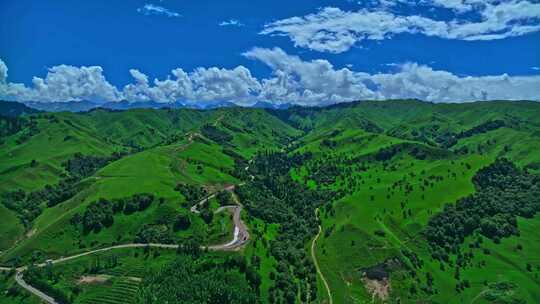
(314, 257)
(194, 208)
(240, 238)
(241, 234)
(45, 298)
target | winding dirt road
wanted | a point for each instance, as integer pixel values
(45, 298)
(314, 257)
(241, 234)
(240, 238)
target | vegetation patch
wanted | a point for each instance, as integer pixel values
(200, 281)
(503, 193)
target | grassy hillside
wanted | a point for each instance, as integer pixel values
(156, 171)
(34, 156)
(389, 167)
(388, 201)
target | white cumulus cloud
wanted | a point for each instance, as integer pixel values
(231, 22)
(152, 9)
(63, 83)
(318, 82)
(3, 72)
(203, 84)
(307, 82)
(334, 30)
(292, 80)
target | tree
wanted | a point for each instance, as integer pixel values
(207, 216)
(224, 198)
(98, 215)
(182, 222)
(189, 280)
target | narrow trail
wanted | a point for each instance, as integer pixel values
(314, 257)
(240, 238)
(45, 298)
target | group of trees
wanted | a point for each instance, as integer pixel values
(11, 125)
(199, 280)
(29, 205)
(274, 197)
(224, 198)
(219, 136)
(347, 174)
(435, 134)
(40, 277)
(152, 233)
(100, 214)
(167, 221)
(503, 192)
(482, 128)
(81, 166)
(28, 129)
(191, 193)
(418, 151)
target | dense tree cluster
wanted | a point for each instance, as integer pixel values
(29, 205)
(274, 197)
(503, 192)
(347, 173)
(150, 233)
(181, 222)
(219, 136)
(224, 198)
(81, 166)
(418, 151)
(39, 277)
(190, 280)
(167, 221)
(435, 134)
(100, 214)
(192, 193)
(482, 128)
(11, 125)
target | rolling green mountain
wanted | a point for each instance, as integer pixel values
(384, 176)
(13, 109)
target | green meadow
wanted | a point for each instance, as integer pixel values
(390, 166)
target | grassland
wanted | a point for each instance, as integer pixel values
(150, 171)
(350, 244)
(385, 205)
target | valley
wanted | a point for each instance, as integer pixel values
(363, 202)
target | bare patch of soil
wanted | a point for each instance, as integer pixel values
(30, 233)
(377, 288)
(97, 279)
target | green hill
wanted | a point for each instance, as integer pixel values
(379, 172)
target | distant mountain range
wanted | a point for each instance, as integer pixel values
(18, 108)
(12, 109)
(83, 106)
(268, 105)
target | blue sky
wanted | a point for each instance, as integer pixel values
(306, 52)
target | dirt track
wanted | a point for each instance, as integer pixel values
(314, 257)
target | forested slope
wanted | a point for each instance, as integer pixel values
(386, 176)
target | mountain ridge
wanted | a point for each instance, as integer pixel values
(83, 106)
